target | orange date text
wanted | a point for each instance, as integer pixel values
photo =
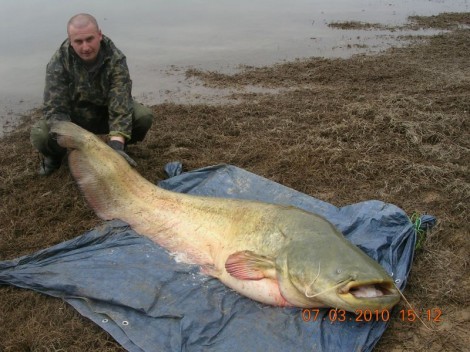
(340, 315)
(367, 315)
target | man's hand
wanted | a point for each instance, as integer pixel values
(119, 147)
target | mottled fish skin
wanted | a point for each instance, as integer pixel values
(278, 255)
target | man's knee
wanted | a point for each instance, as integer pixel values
(42, 141)
(39, 136)
(143, 116)
(143, 119)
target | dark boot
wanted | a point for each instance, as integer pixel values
(49, 164)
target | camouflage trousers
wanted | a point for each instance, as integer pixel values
(41, 139)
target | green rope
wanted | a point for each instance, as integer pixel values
(420, 233)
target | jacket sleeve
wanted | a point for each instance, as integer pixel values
(56, 91)
(120, 107)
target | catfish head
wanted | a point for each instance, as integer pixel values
(317, 267)
(333, 273)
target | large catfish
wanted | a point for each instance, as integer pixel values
(279, 255)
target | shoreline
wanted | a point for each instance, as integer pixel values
(175, 87)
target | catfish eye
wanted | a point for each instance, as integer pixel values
(339, 271)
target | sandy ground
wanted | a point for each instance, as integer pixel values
(393, 126)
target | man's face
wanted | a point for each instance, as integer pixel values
(86, 42)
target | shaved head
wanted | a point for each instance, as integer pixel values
(80, 21)
(85, 37)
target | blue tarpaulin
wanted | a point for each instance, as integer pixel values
(147, 301)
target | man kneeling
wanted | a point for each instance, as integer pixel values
(88, 83)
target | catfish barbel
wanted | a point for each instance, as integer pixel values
(275, 254)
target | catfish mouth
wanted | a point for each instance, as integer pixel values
(369, 290)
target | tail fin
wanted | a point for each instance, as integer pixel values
(96, 168)
(70, 135)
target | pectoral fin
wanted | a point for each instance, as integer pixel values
(247, 265)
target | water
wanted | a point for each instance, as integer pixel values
(163, 38)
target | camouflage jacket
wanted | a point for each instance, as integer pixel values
(86, 97)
